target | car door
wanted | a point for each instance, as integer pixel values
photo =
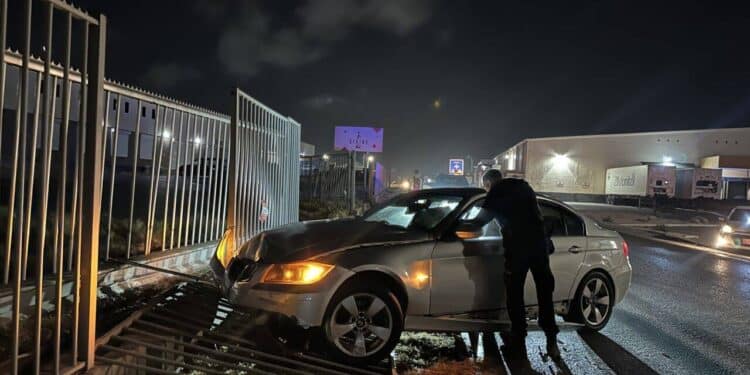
(467, 275)
(568, 236)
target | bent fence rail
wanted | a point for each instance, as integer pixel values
(93, 170)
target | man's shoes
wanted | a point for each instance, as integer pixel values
(553, 351)
(515, 347)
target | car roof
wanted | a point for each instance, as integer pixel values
(461, 191)
(742, 207)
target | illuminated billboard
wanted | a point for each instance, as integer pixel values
(358, 138)
(456, 167)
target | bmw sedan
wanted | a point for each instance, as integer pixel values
(415, 263)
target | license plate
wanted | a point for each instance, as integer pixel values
(746, 242)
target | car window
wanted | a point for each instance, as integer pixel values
(424, 212)
(553, 219)
(573, 224)
(490, 230)
(561, 222)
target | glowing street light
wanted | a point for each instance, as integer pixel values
(197, 140)
(371, 158)
(166, 135)
(405, 185)
(667, 160)
(560, 162)
(326, 157)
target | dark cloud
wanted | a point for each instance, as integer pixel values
(168, 75)
(253, 41)
(323, 101)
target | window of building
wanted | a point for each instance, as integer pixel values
(143, 111)
(153, 113)
(114, 104)
(127, 107)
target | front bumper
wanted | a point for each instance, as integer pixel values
(736, 240)
(305, 304)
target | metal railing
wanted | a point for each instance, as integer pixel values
(328, 178)
(263, 178)
(89, 164)
(29, 199)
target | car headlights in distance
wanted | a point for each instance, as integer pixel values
(726, 229)
(302, 273)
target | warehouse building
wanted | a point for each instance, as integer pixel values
(575, 167)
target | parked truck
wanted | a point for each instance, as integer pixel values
(653, 180)
(698, 183)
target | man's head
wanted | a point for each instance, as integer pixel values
(490, 178)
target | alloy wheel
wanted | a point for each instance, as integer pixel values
(361, 325)
(595, 301)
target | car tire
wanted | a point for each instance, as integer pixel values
(593, 301)
(363, 323)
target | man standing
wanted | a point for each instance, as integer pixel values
(512, 202)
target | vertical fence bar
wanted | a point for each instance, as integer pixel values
(82, 124)
(113, 174)
(92, 196)
(30, 186)
(242, 133)
(176, 183)
(222, 199)
(206, 191)
(200, 145)
(154, 167)
(252, 159)
(169, 139)
(3, 26)
(62, 195)
(204, 179)
(231, 200)
(184, 180)
(153, 195)
(136, 156)
(210, 187)
(18, 263)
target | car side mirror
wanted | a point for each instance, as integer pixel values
(468, 231)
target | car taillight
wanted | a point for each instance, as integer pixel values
(625, 249)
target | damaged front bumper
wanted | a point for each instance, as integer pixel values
(241, 284)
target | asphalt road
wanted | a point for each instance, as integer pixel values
(687, 311)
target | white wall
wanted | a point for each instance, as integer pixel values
(590, 156)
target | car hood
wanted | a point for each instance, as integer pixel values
(300, 241)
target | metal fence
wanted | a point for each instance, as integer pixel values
(94, 170)
(72, 238)
(328, 178)
(263, 176)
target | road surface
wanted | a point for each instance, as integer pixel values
(687, 311)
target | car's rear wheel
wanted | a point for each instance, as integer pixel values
(363, 323)
(593, 301)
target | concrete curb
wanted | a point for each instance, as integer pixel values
(192, 260)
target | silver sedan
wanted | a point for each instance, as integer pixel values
(414, 263)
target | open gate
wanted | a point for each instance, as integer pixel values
(70, 326)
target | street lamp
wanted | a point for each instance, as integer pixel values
(371, 158)
(326, 157)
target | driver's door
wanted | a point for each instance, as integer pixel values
(467, 275)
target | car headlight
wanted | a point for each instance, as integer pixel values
(302, 273)
(225, 250)
(726, 229)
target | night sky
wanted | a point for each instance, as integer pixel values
(501, 71)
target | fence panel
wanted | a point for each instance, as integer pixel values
(265, 145)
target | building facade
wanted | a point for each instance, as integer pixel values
(577, 165)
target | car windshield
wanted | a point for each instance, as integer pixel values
(424, 212)
(740, 214)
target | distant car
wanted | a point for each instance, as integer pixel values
(735, 233)
(415, 263)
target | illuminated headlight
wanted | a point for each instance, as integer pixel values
(722, 241)
(726, 229)
(302, 273)
(225, 250)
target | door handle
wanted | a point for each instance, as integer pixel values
(575, 249)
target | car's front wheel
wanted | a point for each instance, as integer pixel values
(593, 301)
(363, 323)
